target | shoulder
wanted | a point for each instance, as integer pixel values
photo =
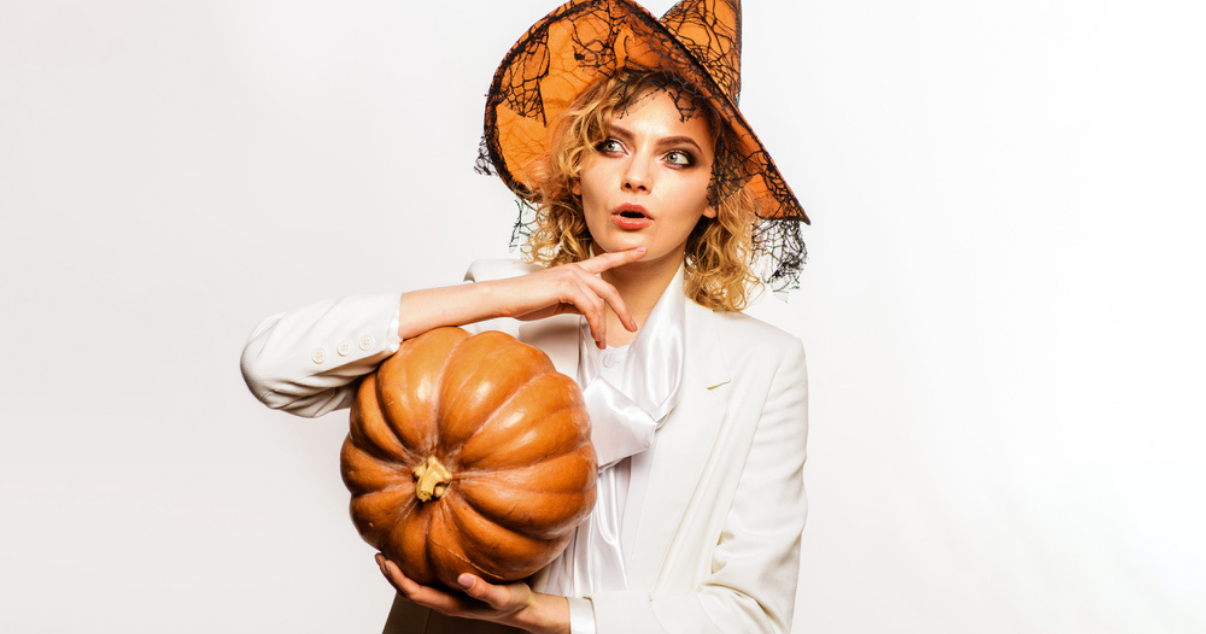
(498, 268)
(742, 348)
(754, 336)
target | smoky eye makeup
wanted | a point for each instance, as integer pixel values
(610, 145)
(680, 158)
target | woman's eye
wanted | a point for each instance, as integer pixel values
(610, 145)
(681, 158)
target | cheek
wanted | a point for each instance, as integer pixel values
(587, 179)
(700, 196)
(591, 191)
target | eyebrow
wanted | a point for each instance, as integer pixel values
(619, 131)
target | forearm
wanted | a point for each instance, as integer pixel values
(306, 361)
(430, 308)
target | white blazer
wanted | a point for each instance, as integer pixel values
(718, 544)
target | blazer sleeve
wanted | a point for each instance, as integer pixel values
(306, 361)
(754, 567)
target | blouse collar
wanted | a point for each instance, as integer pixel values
(624, 416)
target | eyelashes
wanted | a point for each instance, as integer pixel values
(610, 146)
(680, 158)
(677, 158)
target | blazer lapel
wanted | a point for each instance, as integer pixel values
(683, 448)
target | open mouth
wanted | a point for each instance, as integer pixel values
(631, 211)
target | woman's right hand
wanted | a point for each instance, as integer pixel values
(569, 289)
(565, 289)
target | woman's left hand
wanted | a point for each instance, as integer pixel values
(513, 604)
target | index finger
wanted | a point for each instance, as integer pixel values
(601, 263)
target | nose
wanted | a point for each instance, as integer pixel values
(636, 175)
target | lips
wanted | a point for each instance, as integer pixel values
(631, 216)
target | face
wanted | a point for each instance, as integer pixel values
(647, 184)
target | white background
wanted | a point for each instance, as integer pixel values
(1002, 307)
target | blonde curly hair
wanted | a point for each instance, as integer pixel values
(719, 252)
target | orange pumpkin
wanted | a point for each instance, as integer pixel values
(468, 454)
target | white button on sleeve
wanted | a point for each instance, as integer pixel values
(366, 342)
(283, 369)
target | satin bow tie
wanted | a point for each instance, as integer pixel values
(620, 428)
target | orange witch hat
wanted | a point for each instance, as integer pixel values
(585, 40)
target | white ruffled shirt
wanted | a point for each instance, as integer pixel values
(629, 392)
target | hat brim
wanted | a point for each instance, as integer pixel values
(576, 45)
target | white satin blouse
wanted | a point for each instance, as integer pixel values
(629, 392)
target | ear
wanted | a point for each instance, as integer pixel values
(576, 186)
(710, 212)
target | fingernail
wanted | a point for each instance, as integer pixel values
(466, 581)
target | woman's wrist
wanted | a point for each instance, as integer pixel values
(545, 614)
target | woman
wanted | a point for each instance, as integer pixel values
(652, 198)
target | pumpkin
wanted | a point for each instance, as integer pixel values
(468, 454)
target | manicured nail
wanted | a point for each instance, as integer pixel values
(466, 581)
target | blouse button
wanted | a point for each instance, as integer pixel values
(319, 355)
(609, 359)
(366, 342)
(344, 349)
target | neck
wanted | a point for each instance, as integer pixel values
(640, 285)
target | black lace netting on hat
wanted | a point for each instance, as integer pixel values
(611, 38)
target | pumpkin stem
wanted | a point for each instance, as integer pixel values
(432, 478)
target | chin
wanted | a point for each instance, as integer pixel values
(611, 244)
